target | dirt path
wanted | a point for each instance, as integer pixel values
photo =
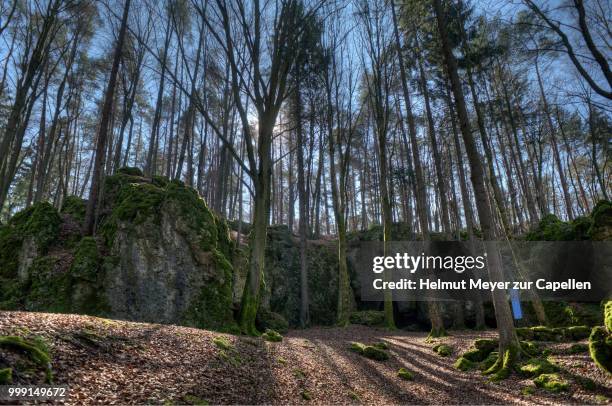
(108, 361)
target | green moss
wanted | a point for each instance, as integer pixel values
(531, 348)
(601, 229)
(486, 345)
(49, 289)
(464, 364)
(600, 348)
(375, 353)
(488, 362)
(551, 383)
(6, 376)
(368, 318)
(405, 374)
(306, 395)
(475, 355)
(75, 207)
(223, 343)
(357, 347)
(381, 345)
(503, 366)
(299, 373)
(36, 350)
(525, 333)
(131, 171)
(528, 390)
(267, 319)
(194, 400)
(536, 367)
(271, 335)
(443, 350)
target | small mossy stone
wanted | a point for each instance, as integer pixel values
(267, 319)
(381, 345)
(357, 347)
(600, 348)
(536, 367)
(223, 343)
(272, 335)
(528, 390)
(443, 350)
(551, 383)
(405, 374)
(6, 376)
(375, 353)
(464, 364)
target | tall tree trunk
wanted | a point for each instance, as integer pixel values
(96, 180)
(509, 346)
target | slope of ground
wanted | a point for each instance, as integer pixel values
(109, 361)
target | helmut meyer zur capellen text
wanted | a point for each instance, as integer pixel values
(410, 264)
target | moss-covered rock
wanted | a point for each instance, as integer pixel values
(267, 319)
(443, 350)
(131, 171)
(601, 228)
(368, 318)
(223, 343)
(608, 315)
(271, 335)
(464, 364)
(551, 382)
(600, 347)
(169, 255)
(357, 347)
(375, 353)
(405, 374)
(381, 345)
(577, 333)
(282, 272)
(536, 367)
(74, 207)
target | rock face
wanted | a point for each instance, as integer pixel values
(167, 258)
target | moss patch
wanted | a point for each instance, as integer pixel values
(464, 364)
(375, 353)
(75, 207)
(271, 335)
(6, 376)
(443, 350)
(223, 343)
(405, 374)
(600, 347)
(36, 350)
(551, 383)
(368, 318)
(536, 367)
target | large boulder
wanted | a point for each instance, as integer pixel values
(159, 255)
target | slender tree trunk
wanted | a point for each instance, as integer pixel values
(508, 342)
(97, 178)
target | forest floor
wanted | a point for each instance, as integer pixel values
(109, 361)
